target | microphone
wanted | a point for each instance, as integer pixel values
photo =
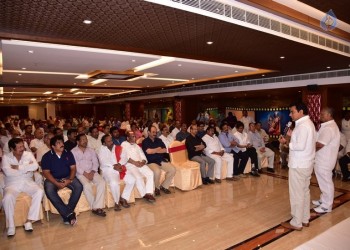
(289, 124)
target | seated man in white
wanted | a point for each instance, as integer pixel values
(94, 140)
(18, 167)
(166, 137)
(87, 166)
(38, 141)
(216, 151)
(110, 172)
(261, 150)
(135, 161)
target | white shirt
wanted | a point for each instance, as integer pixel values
(36, 143)
(345, 128)
(246, 121)
(26, 165)
(302, 146)
(213, 144)
(95, 144)
(4, 140)
(107, 157)
(132, 151)
(329, 136)
(41, 151)
(174, 132)
(167, 141)
(242, 138)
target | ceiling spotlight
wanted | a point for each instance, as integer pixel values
(328, 67)
(133, 60)
(179, 65)
(33, 99)
(19, 74)
(262, 75)
(47, 92)
(31, 51)
(210, 42)
(282, 57)
(24, 68)
(59, 94)
(86, 21)
(236, 71)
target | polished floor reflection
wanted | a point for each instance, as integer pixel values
(217, 216)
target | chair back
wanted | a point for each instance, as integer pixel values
(178, 152)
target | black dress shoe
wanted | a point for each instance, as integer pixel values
(165, 190)
(117, 207)
(217, 180)
(210, 181)
(271, 170)
(149, 198)
(157, 192)
(255, 174)
(204, 181)
(124, 202)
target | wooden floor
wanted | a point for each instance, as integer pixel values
(239, 215)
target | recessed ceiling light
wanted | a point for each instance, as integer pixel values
(192, 78)
(16, 81)
(75, 83)
(262, 75)
(74, 89)
(47, 92)
(179, 65)
(30, 51)
(24, 68)
(19, 74)
(133, 60)
(236, 71)
(59, 94)
(210, 42)
(33, 99)
(328, 67)
(147, 86)
(282, 57)
(87, 21)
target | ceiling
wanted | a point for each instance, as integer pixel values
(127, 34)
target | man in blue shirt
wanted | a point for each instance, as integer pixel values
(154, 149)
(229, 142)
(116, 137)
(59, 169)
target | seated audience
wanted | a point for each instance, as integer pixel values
(175, 129)
(116, 137)
(259, 145)
(111, 173)
(38, 141)
(182, 135)
(18, 167)
(195, 147)
(201, 131)
(166, 138)
(246, 147)
(215, 151)
(154, 149)
(87, 173)
(59, 169)
(135, 161)
(71, 142)
(94, 140)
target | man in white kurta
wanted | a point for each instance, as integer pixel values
(327, 146)
(262, 151)
(216, 151)
(110, 172)
(18, 167)
(302, 149)
(135, 161)
(94, 139)
(166, 137)
(87, 172)
(246, 120)
(38, 141)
